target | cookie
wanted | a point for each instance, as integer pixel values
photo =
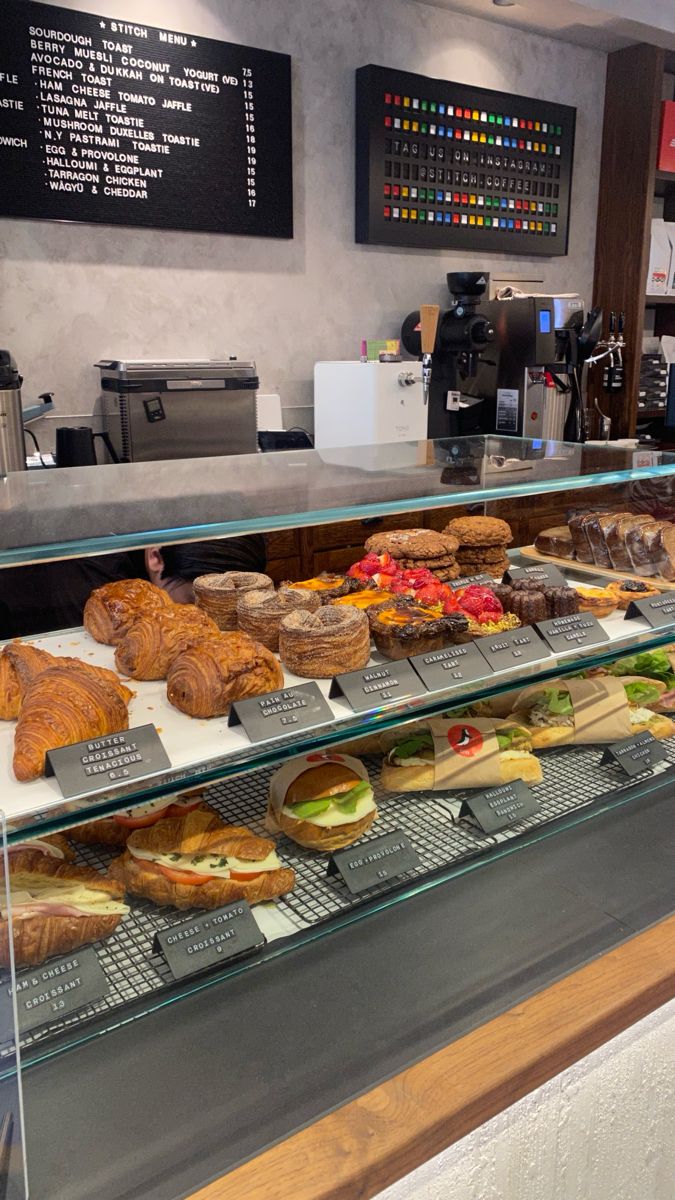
(486, 554)
(431, 564)
(480, 531)
(447, 573)
(494, 569)
(412, 543)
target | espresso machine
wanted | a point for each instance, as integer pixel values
(508, 366)
(12, 442)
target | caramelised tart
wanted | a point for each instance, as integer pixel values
(404, 627)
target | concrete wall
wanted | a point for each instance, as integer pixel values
(70, 294)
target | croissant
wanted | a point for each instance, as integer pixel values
(62, 706)
(110, 609)
(204, 680)
(150, 645)
(56, 908)
(21, 663)
(199, 839)
(23, 856)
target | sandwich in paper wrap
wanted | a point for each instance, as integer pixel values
(445, 754)
(584, 712)
(322, 800)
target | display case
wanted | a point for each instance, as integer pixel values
(533, 726)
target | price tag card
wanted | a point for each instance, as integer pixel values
(501, 806)
(441, 669)
(287, 711)
(484, 579)
(371, 863)
(636, 754)
(201, 942)
(545, 573)
(659, 610)
(101, 762)
(575, 632)
(58, 988)
(374, 686)
(514, 648)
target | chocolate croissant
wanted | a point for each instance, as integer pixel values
(62, 706)
(153, 641)
(204, 680)
(110, 609)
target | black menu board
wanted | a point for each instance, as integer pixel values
(445, 164)
(126, 124)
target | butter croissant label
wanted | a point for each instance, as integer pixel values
(466, 753)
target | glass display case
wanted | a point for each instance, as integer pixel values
(482, 716)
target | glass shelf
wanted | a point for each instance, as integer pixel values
(53, 514)
(204, 752)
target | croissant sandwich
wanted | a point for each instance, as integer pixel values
(116, 830)
(110, 609)
(410, 764)
(157, 637)
(56, 908)
(204, 680)
(194, 861)
(323, 801)
(23, 856)
(64, 705)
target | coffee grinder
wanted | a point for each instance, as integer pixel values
(450, 347)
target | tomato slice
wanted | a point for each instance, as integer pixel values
(158, 814)
(139, 822)
(242, 876)
(178, 876)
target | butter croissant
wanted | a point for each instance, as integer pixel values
(62, 706)
(21, 663)
(153, 641)
(110, 609)
(204, 680)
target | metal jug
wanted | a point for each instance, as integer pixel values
(12, 443)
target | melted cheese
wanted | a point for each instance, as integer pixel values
(219, 865)
(29, 889)
(332, 817)
(640, 716)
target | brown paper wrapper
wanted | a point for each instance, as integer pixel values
(466, 753)
(601, 710)
(283, 778)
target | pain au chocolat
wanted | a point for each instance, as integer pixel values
(155, 639)
(205, 679)
(110, 609)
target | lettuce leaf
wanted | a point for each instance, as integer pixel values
(654, 663)
(641, 692)
(412, 745)
(557, 702)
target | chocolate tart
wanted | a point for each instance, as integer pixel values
(405, 627)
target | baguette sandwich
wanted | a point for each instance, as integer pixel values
(548, 711)
(409, 766)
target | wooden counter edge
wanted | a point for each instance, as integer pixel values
(369, 1143)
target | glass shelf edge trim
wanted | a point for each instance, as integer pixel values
(28, 505)
(269, 753)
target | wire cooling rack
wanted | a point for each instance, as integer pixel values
(574, 778)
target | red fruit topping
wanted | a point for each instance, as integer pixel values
(432, 593)
(476, 600)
